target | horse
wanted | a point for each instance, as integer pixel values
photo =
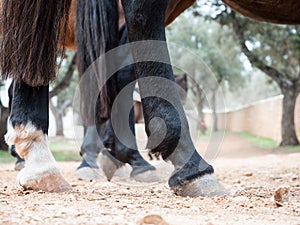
(118, 153)
(90, 149)
(88, 169)
(28, 54)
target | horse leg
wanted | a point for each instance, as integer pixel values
(142, 171)
(20, 163)
(125, 153)
(121, 153)
(118, 154)
(28, 132)
(193, 176)
(90, 148)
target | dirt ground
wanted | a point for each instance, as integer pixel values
(250, 174)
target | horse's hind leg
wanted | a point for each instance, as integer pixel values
(28, 132)
(114, 137)
(20, 163)
(193, 176)
(90, 148)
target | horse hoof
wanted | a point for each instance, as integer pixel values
(149, 176)
(108, 164)
(206, 186)
(88, 173)
(41, 172)
(120, 172)
(53, 182)
(19, 165)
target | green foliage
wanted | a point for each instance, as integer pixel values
(277, 46)
(257, 87)
(5, 157)
(212, 43)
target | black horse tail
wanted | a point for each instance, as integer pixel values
(97, 33)
(31, 31)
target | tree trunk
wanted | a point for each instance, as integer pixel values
(58, 120)
(287, 85)
(200, 99)
(66, 81)
(214, 110)
(288, 131)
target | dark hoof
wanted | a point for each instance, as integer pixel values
(108, 164)
(206, 186)
(19, 165)
(88, 173)
(148, 176)
(50, 183)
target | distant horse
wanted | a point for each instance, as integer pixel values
(28, 54)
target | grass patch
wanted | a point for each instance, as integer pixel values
(5, 157)
(289, 149)
(62, 146)
(261, 142)
(268, 143)
(62, 150)
(66, 156)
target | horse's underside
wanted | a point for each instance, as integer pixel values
(273, 11)
(28, 54)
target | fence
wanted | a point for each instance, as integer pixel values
(262, 118)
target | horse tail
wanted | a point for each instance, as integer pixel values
(30, 37)
(97, 32)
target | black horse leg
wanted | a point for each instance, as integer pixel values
(90, 148)
(28, 132)
(127, 152)
(20, 163)
(119, 153)
(193, 176)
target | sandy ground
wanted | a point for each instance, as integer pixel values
(250, 174)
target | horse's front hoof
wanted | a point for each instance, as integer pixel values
(88, 173)
(53, 182)
(148, 176)
(206, 186)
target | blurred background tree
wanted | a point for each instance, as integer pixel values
(232, 46)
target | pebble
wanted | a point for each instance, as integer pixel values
(281, 195)
(153, 219)
(249, 174)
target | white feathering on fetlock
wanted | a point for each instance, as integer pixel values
(41, 170)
